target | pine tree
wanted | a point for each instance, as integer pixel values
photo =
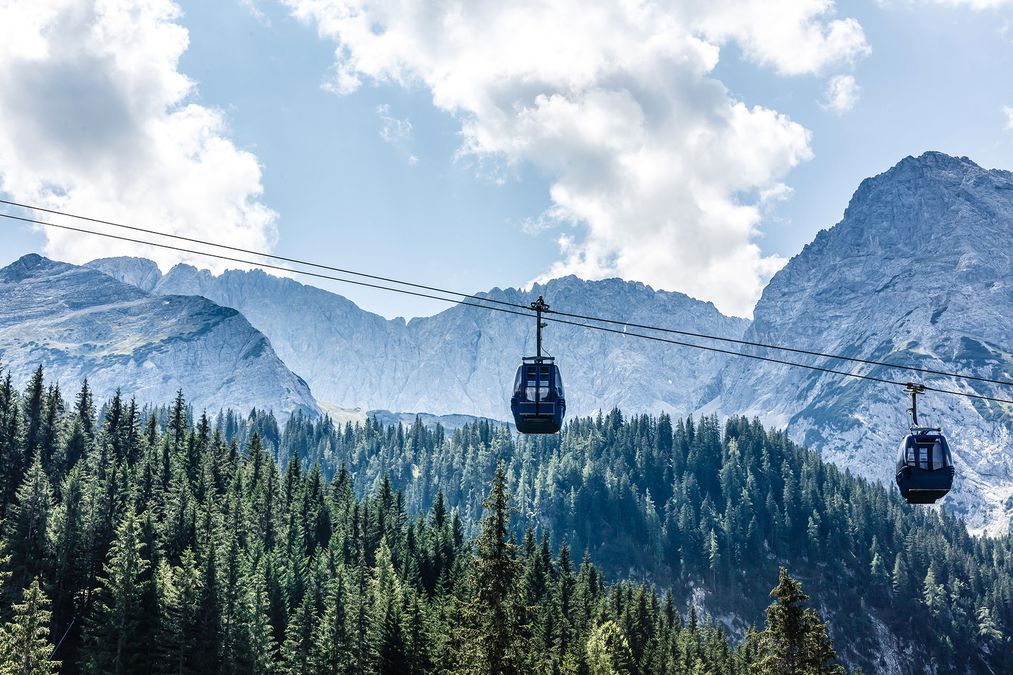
(877, 570)
(263, 646)
(988, 630)
(795, 641)
(933, 594)
(84, 409)
(418, 638)
(112, 631)
(12, 456)
(25, 645)
(387, 638)
(359, 615)
(179, 596)
(69, 548)
(899, 580)
(34, 404)
(75, 447)
(495, 607)
(26, 537)
(331, 646)
(49, 434)
(608, 651)
(297, 650)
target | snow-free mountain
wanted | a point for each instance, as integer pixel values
(919, 272)
(79, 323)
(463, 359)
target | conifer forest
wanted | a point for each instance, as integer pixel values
(169, 540)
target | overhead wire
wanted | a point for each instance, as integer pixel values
(475, 301)
(259, 254)
(583, 317)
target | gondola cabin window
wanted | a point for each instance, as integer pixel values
(537, 386)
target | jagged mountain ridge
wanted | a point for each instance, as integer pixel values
(80, 323)
(918, 272)
(464, 358)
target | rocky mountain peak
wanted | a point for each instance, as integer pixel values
(139, 272)
(916, 273)
(81, 323)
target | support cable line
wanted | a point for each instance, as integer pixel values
(259, 254)
(470, 296)
(255, 263)
(527, 311)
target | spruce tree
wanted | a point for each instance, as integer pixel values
(795, 641)
(12, 456)
(387, 625)
(49, 434)
(608, 651)
(69, 548)
(332, 643)
(115, 645)
(34, 404)
(26, 536)
(495, 605)
(84, 409)
(25, 645)
(263, 646)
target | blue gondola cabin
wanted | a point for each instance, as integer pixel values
(538, 402)
(924, 466)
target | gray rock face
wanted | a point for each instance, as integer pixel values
(139, 272)
(919, 272)
(464, 359)
(80, 323)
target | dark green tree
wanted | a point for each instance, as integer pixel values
(25, 644)
(495, 608)
(115, 644)
(795, 640)
(26, 536)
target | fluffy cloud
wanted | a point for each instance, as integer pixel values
(1007, 112)
(657, 172)
(794, 37)
(841, 94)
(96, 118)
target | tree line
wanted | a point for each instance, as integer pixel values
(140, 540)
(697, 504)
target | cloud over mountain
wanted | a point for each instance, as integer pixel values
(656, 169)
(96, 118)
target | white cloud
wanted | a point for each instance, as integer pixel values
(1007, 112)
(95, 118)
(841, 94)
(657, 172)
(792, 36)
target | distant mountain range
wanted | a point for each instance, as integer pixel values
(463, 359)
(79, 323)
(918, 272)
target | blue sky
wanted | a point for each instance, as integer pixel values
(414, 173)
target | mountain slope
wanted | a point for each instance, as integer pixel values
(463, 359)
(79, 323)
(918, 272)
